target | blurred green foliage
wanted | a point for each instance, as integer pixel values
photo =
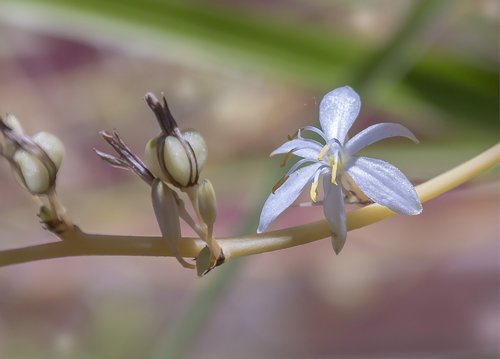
(464, 89)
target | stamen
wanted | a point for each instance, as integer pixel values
(314, 190)
(314, 186)
(315, 130)
(294, 136)
(323, 152)
(279, 183)
(334, 165)
(287, 158)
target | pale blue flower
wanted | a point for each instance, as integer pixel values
(343, 173)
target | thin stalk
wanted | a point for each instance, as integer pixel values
(96, 244)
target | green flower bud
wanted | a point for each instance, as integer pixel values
(177, 158)
(199, 146)
(37, 171)
(52, 146)
(207, 203)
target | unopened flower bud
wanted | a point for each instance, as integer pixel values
(38, 170)
(177, 158)
(52, 146)
(207, 203)
(167, 214)
(13, 123)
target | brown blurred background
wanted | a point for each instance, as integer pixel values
(246, 74)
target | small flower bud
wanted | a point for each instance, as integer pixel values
(199, 146)
(52, 146)
(177, 159)
(13, 123)
(151, 158)
(207, 203)
(167, 215)
(37, 171)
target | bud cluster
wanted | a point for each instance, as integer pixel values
(177, 157)
(35, 160)
(174, 161)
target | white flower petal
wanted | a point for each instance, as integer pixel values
(333, 207)
(284, 196)
(337, 112)
(297, 165)
(305, 148)
(385, 184)
(376, 133)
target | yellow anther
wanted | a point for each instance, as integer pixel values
(323, 152)
(334, 165)
(314, 190)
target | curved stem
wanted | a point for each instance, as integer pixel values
(97, 244)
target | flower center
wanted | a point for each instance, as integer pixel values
(332, 151)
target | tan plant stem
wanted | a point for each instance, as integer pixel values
(96, 244)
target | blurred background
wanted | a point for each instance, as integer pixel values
(247, 74)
